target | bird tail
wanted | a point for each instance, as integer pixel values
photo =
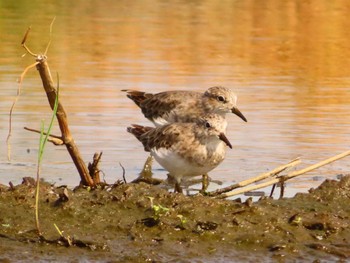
(138, 130)
(137, 96)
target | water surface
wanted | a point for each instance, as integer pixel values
(287, 60)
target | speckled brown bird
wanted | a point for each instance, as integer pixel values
(186, 149)
(185, 106)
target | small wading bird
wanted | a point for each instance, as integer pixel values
(186, 149)
(184, 106)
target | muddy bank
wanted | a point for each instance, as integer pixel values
(139, 222)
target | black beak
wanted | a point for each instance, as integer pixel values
(238, 113)
(225, 140)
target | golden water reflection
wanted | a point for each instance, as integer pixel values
(288, 61)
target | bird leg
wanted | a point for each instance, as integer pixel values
(178, 188)
(205, 183)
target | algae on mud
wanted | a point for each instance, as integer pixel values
(124, 224)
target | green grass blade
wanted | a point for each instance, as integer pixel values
(42, 142)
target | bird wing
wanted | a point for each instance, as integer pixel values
(166, 136)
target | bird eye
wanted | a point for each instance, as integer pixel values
(207, 124)
(221, 98)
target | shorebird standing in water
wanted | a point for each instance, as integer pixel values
(186, 149)
(185, 106)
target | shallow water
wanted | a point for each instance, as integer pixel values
(287, 60)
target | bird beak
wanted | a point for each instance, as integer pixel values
(238, 113)
(225, 140)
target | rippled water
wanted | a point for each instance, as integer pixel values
(287, 60)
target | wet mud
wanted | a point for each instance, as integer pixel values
(143, 223)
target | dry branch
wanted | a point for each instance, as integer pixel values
(56, 140)
(61, 115)
(282, 179)
(255, 179)
(93, 167)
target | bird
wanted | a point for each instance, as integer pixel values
(186, 149)
(184, 106)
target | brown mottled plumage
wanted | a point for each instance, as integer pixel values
(184, 106)
(186, 149)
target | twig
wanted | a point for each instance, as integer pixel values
(25, 36)
(23, 43)
(318, 165)
(62, 119)
(51, 93)
(286, 177)
(67, 240)
(12, 187)
(255, 179)
(282, 186)
(49, 43)
(56, 140)
(13, 106)
(123, 172)
(94, 171)
(37, 131)
(272, 190)
(58, 230)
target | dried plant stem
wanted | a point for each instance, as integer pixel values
(13, 106)
(255, 179)
(124, 179)
(38, 131)
(286, 177)
(93, 167)
(66, 137)
(317, 165)
(23, 43)
(61, 115)
(49, 43)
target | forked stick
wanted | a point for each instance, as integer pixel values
(61, 115)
